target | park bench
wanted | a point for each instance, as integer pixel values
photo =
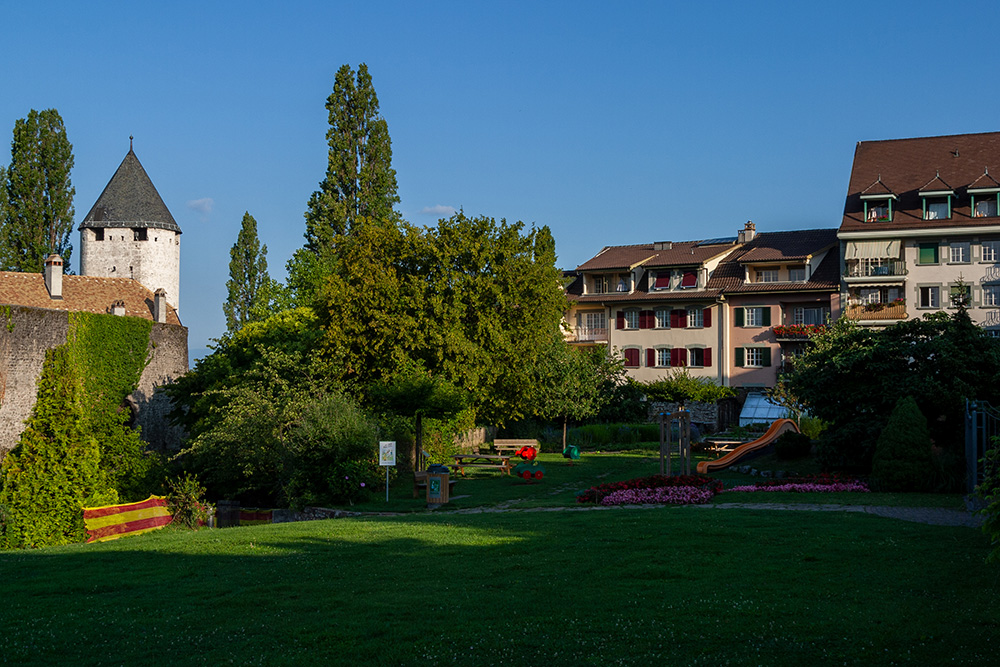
(511, 447)
(487, 461)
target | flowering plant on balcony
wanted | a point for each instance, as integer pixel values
(798, 330)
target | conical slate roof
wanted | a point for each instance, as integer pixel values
(130, 200)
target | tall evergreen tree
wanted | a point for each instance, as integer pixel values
(360, 182)
(251, 289)
(37, 213)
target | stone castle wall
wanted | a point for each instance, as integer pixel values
(154, 262)
(22, 353)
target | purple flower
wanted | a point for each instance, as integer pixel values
(362, 484)
(346, 477)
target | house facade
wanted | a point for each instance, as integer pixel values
(713, 307)
(921, 227)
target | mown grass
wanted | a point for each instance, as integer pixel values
(564, 479)
(677, 585)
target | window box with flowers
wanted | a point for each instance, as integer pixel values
(798, 331)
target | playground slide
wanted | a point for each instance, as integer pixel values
(777, 428)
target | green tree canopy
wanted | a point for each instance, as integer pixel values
(852, 377)
(251, 291)
(473, 300)
(36, 217)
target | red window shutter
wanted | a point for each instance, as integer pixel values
(706, 318)
(682, 318)
(674, 318)
(662, 282)
(632, 358)
(650, 357)
(678, 356)
(647, 320)
(690, 279)
(620, 320)
(708, 357)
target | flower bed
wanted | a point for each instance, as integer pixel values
(824, 483)
(597, 494)
(664, 495)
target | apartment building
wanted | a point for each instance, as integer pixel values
(728, 308)
(921, 226)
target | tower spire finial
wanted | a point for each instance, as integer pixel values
(130, 142)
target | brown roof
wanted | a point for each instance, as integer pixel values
(681, 253)
(907, 165)
(639, 296)
(936, 184)
(80, 293)
(781, 246)
(984, 182)
(877, 188)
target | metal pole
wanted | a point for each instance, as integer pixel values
(661, 443)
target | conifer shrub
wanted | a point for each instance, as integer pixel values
(903, 460)
(989, 492)
(55, 469)
(792, 445)
(186, 501)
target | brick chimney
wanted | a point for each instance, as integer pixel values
(748, 232)
(160, 306)
(54, 275)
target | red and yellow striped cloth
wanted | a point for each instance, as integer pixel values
(114, 521)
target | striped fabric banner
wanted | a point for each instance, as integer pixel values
(114, 521)
(253, 517)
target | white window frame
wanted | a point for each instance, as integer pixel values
(663, 357)
(933, 293)
(691, 352)
(631, 319)
(753, 357)
(991, 295)
(959, 253)
(991, 251)
(662, 318)
(753, 316)
(695, 317)
(794, 273)
(767, 276)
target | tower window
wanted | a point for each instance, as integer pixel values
(140, 234)
(99, 234)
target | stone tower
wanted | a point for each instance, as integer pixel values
(129, 233)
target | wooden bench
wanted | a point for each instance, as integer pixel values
(489, 461)
(511, 447)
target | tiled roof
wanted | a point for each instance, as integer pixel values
(787, 246)
(984, 182)
(681, 253)
(130, 200)
(663, 295)
(907, 165)
(936, 184)
(80, 293)
(877, 188)
(729, 278)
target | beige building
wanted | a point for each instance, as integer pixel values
(920, 227)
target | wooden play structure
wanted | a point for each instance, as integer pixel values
(683, 418)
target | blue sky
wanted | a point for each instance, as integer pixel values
(612, 123)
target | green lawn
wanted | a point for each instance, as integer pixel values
(672, 585)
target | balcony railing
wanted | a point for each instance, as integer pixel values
(992, 274)
(590, 334)
(796, 332)
(875, 268)
(877, 311)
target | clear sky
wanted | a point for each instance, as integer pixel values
(612, 123)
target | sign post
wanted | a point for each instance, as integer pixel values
(387, 457)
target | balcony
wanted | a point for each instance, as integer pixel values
(790, 333)
(590, 335)
(992, 274)
(869, 269)
(877, 311)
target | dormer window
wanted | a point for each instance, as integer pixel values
(878, 199)
(797, 274)
(766, 276)
(689, 279)
(937, 196)
(985, 196)
(937, 208)
(984, 207)
(662, 281)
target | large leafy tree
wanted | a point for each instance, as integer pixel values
(852, 378)
(251, 290)
(474, 300)
(360, 182)
(36, 217)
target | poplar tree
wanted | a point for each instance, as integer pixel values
(36, 216)
(250, 288)
(360, 182)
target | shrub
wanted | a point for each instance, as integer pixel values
(903, 460)
(186, 501)
(812, 426)
(792, 445)
(989, 492)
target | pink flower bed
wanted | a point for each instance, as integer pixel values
(808, 487)
(667, 495)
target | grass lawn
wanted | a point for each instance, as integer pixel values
(563, 480)
(671, 585)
